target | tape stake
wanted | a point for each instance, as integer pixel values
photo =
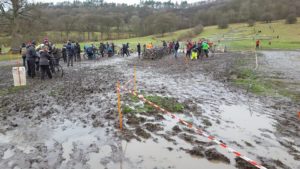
(119, 106)
(134, 81)
(201, 132)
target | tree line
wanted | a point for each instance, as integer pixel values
(98, 20)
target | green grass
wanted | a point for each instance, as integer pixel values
(9, 57)
(255, 86)
(11, 90)
(236, 37)
(242, 37)
(247, 79)
(169, 104)
(127, 109)
(134, 98)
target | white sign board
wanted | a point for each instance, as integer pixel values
(19, 75)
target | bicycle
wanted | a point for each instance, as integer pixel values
(56, 69)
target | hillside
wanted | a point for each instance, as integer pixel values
(236, 37)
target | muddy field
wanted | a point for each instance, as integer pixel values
(72, 123)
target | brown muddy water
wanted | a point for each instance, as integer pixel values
(74, 126)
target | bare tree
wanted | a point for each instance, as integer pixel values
(135, 23)
(12, 12)
(68, 23)
(165, 23)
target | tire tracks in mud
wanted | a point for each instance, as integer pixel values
(166, 73)
(86, 97)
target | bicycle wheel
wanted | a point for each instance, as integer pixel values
(61, 71)
(58, 71)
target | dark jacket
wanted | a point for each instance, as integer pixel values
(31, 53)
(177, 46)
(77, 48)
(70, 49)
(64, 51)
(138, 48)
(44, 58)
(56, 53)
(102, 47)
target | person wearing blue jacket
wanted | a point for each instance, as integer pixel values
(70, 53)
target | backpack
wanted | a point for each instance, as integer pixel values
(23, 51)
(89, 50)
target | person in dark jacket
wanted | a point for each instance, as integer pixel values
(165, 45)
(70, 53)
(77, 52)
(127, 49)
(23, 53)
(144, 48)
(44, 63)
(56, 54)
(139, 49)
(64, 53)
(31, 57)
(113, 48)
(124, 50)
(90, 52)
(176, 47)
(102, 49)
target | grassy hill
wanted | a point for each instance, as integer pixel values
(235, 37)
(243, 37)
(238, 36)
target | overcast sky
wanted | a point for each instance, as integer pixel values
(117, 1)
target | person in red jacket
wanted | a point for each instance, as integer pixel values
(257, 44)
(189, 47)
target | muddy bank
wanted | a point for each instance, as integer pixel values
(251, 122)
(73, 122)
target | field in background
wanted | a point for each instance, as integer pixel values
(243, 37)
(275, 35)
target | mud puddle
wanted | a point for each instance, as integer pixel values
(162, 155)
(244, 123)
(286, 63)
(80, 131)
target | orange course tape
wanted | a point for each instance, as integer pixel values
(197, 130)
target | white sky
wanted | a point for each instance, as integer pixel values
(117, 1)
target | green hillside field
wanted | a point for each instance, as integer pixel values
(273, 36)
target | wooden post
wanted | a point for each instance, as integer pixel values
(134, 79)
(119, 105)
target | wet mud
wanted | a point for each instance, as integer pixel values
(73, 122)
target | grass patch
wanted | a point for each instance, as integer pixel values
(144, 109)
(8, 57)
(248, 79)
(242, 37)
(127, 109)
(134, 98)
(246, 74)
(11, 90)
(237, 36)
(255, 86)
(169, 104)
